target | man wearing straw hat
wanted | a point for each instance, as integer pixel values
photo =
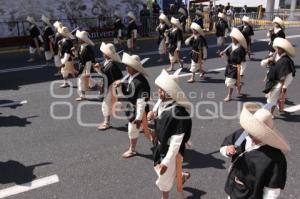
(281, 74)
(55, 40)
(174, 40)
(235, 55)
(36, 39)
(47, 34)
(131, 32)
(199, 18)
(172, 130)
(248, 32)
(276, 31)
(182, 18)
(86, 60)
(164, 25)
(221, 28)
(118, 26)
(112, 73)
(259, 167)
(199, 51)
(66, 55)
(136, 91)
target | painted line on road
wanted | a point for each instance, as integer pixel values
(9, 70)
(14, 103)
(211, 70)
(287, 37)
(17, 189)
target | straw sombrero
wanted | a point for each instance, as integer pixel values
(57, 25)
(221, 15)
(46, 20)
(64, 31)
(134, 62)
(164, 18)
(84, 36)
(260, 126)
(30, 20)
(278, 21)
(198, 28)
(285, 45)
(176, 23)
(182, 11)
(110, 50)
(131, 15)
(246, 19)
(170, 84)
(235, 33)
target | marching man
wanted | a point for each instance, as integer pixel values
(281, 74)
(199, 50)
(36, 39)
(55, 40)
(221, 31)
(163, 26)
(47, 34)
(131, 32)
(66, 55)
(112, 73)
(172, 130)
(182, 18)
(118, 26)
(248, 32)
(235, 55)
(258, 166)
(199, 18)
(136, 91)
(174, 41)
(276, 31)
(87, 59)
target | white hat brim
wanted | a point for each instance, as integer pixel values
(131, 15)
(235, 33)
(261, 131)
(82, 35)
(107, 51)
(182, 11)
(198, 28)
(64, 31)
(278, 21)
(285, 45)
(133, 63)
(172, 88)
(46, 20)
(176, 23)
(164, 18)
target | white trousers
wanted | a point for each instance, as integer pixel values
(130, 43)
(195, 66)
(67, 69)
(165, 182)
(220, 41)
(133, 132)
(48, 55)
(230, 82)
(57, 61)
(106, 104)
(243, 68)
(162, 47)
(175, 58)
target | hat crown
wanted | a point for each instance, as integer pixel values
(264, 116)
(111, 47)
(136, 57)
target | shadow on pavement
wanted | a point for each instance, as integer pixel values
(197, 160)
(9, 121)
(15, 172)
(196, 194)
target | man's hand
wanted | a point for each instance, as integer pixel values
(151, 115)
(117, 83)
(137, 123)
(98, 66)
(163, 169)
(230, 150)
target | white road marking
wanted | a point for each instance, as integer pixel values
(140, 54)
(17, 189)
(14, 103)
(292, 109)
(210, 70)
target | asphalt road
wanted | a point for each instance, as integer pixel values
(88, 163)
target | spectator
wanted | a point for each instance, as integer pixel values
(145, 18)
(245, 9)
(227, 7)
(155, 12)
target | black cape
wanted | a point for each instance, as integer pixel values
(131, 26)
(173, 121)
(281, 68)
(161, 32)
(273, 36)
(221, 27)
(259, 168)
(233, 58)
(118, 25)
(174, 37)
(197, 47)
(34, 34)
(48, 32)
(86, 55)
(138, 88)
(247, 31)
(112, 73)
